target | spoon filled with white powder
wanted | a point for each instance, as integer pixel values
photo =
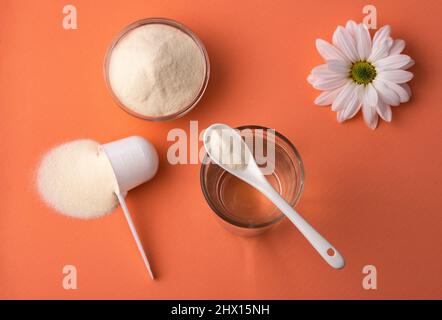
(157, 69)
(85, 180)
(227, 149)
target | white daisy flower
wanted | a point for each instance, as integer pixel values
(362, 73)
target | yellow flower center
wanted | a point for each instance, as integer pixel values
(362, 72)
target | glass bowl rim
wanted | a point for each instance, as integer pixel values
(171, 23)
(278, 218)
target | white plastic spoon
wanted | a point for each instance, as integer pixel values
(134, 233)
(134, 161)
(250, 173)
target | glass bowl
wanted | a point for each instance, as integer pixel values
(240, 208)
(180, 27)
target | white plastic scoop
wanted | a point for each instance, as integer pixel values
(227, 149)
(134, 161)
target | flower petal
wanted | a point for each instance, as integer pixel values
(343, 40)
(396, 76)
(311, 79)
(387, 95)
(370, 116)
(398, 47)
(339, 66)
(403, 93)
(352, 112)
(343, 98)
(409, 65)
(329, 84)
(322, 69)
(380, 51)
(328, 51)
(324, 73)
(348, 113)
(407, 88)
(341, 116)
(352, 27)
(384, 111)
(353, 105)
(363, 42)
(381, 35)
(331, 76)
(392, 62)
(327, 97)
(370, 97)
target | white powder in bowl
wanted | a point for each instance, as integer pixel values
(156, 70)
(76, 179)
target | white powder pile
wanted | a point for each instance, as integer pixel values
(227, 148)
(76, 179)
(156, 70)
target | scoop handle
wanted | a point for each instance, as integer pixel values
(321, 245)
(134, 233)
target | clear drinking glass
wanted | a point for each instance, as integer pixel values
(241, 209)
(180, 27)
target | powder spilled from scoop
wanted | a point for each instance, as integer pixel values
(84, 179)
(77, 180)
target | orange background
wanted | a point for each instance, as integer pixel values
(375, 194)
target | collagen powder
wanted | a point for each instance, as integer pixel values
(228, 149)
(156, 70)
(76, 179)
